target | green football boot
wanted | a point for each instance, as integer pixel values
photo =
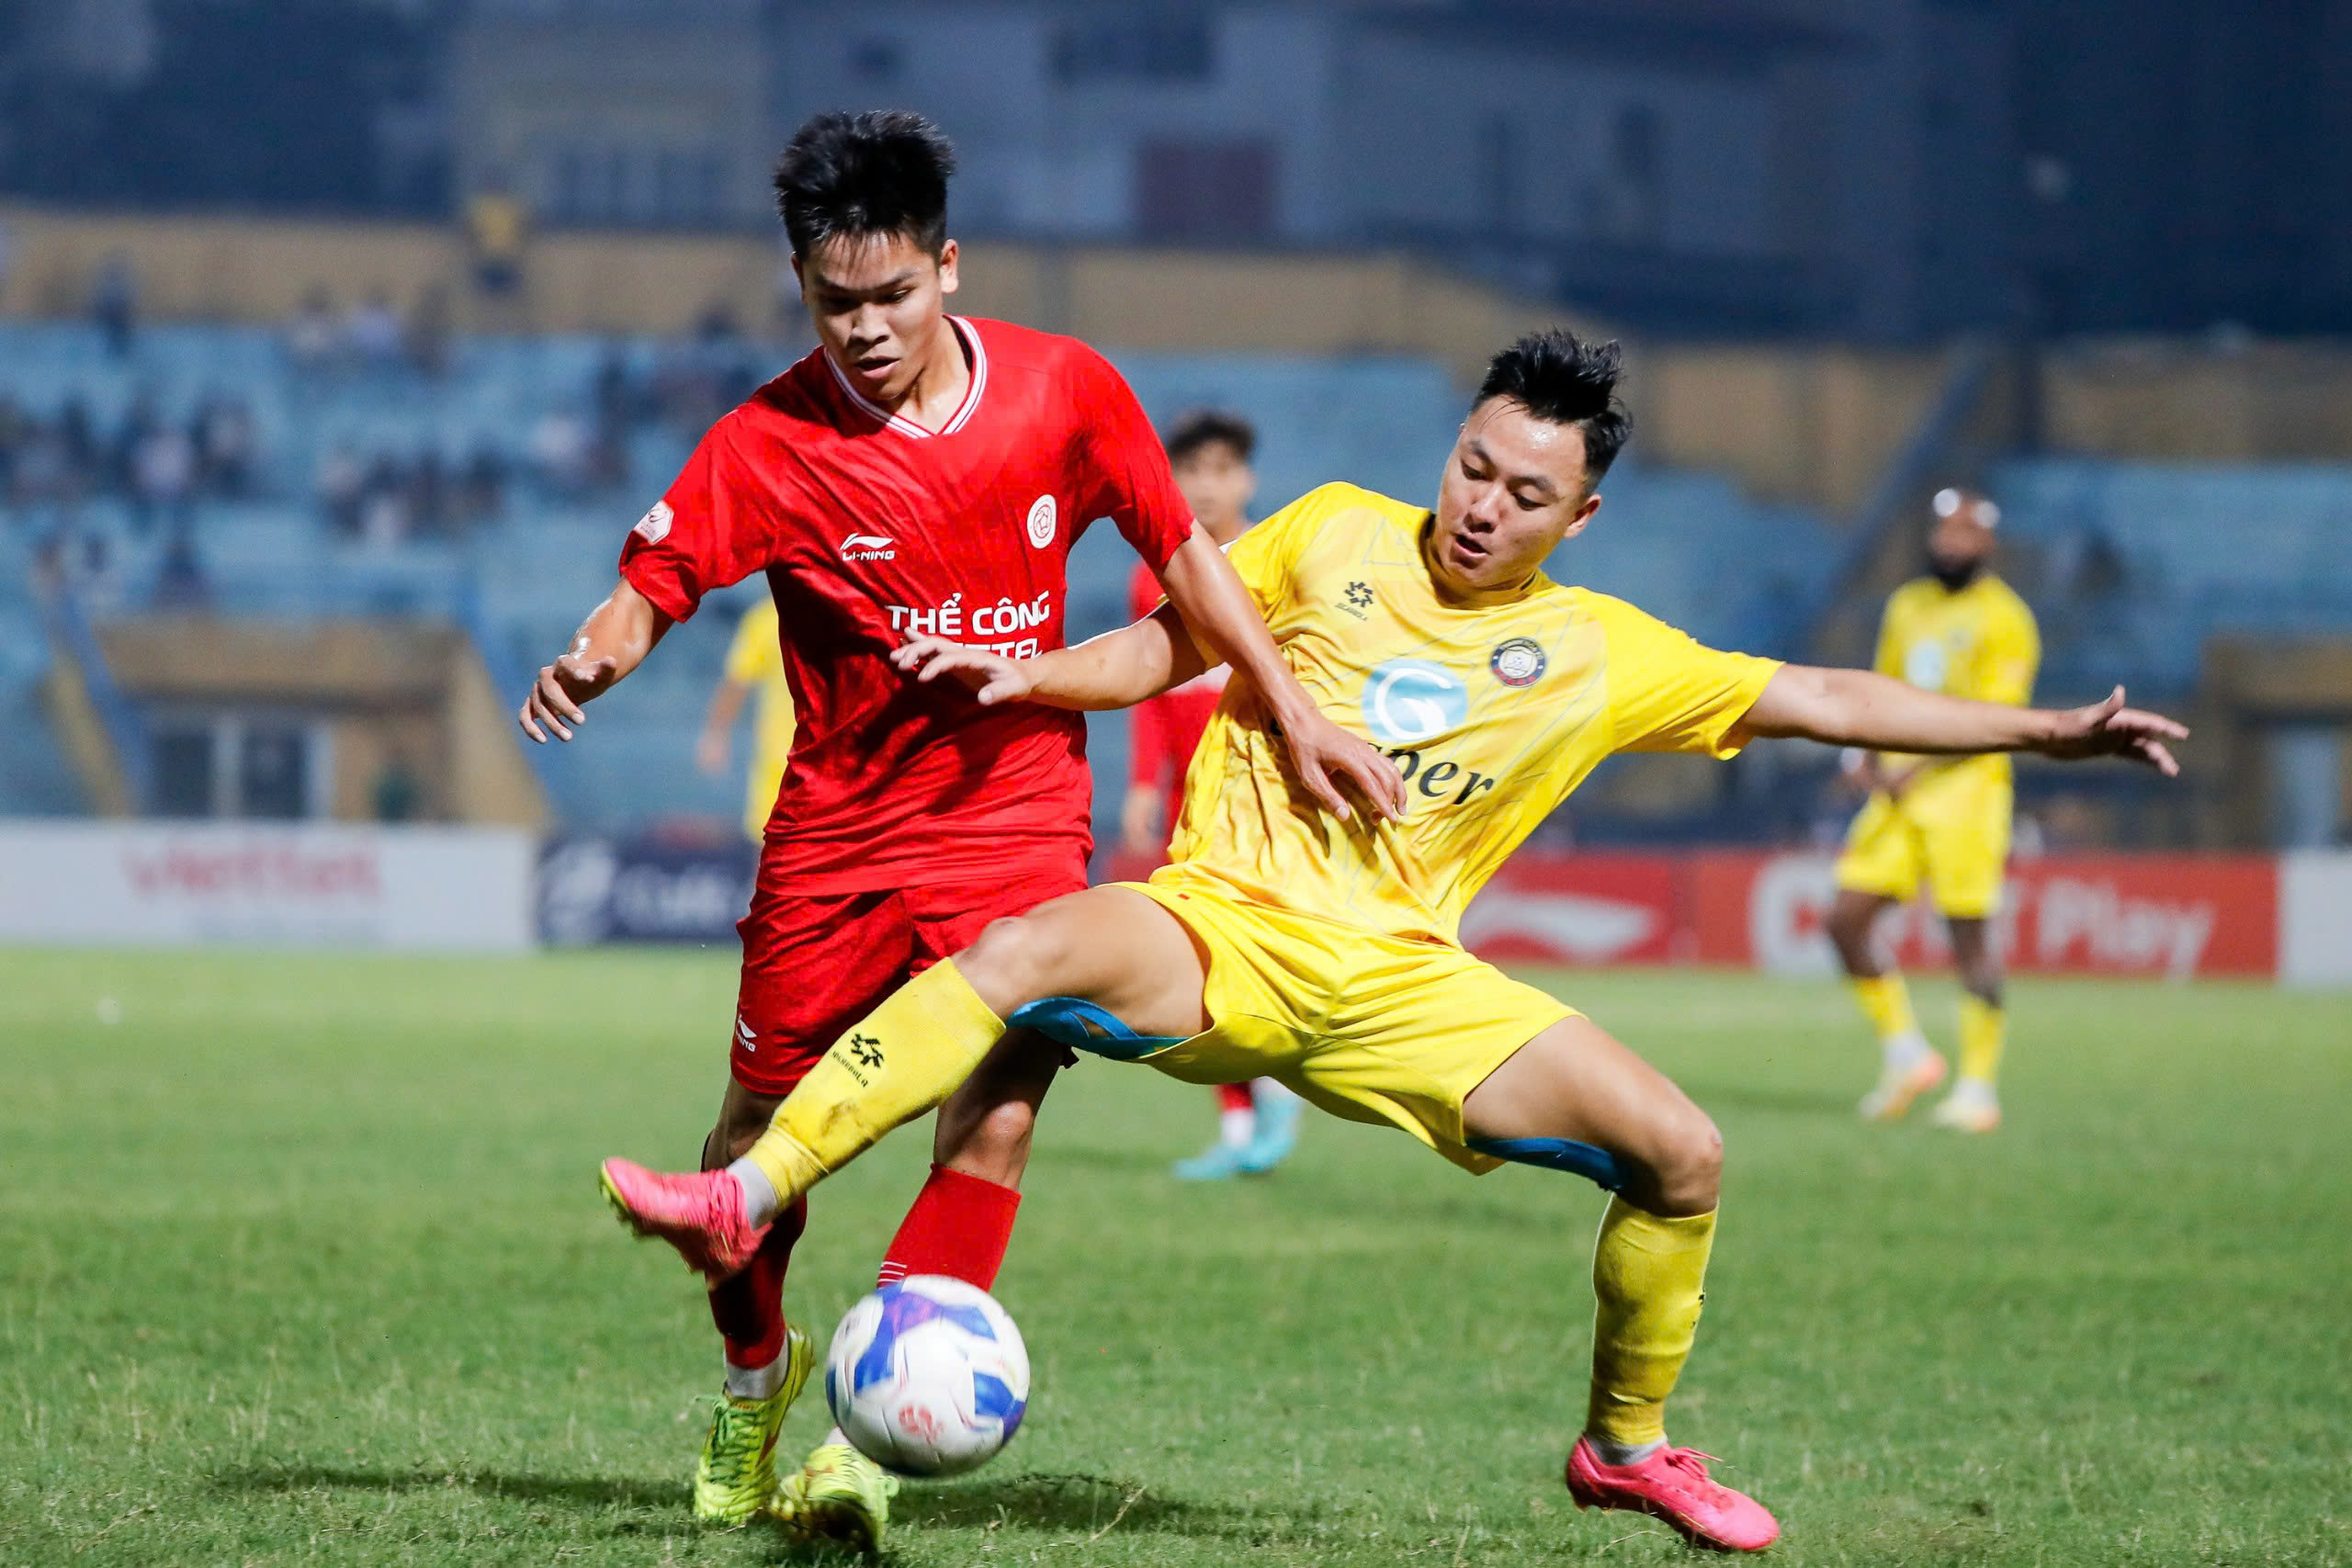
(839, 1497)
(736, 1474)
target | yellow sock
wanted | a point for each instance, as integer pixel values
(1648, 1276)
(1886, 1001)
(1983, 1029)
(896, 1062)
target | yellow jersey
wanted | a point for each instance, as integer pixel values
(755, 658)
(1980, 642)
(1493, 711)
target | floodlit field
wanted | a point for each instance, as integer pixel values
(300, 1261)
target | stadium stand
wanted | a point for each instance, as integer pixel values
(2135, 565)
(338, 516)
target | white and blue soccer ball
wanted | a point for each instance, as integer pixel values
(928, 1376)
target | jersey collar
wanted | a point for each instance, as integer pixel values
(970, 337)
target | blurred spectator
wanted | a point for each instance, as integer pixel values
(373, 331)
(341, 482)
(225, 444)
(383, 505)
(310, 335)
(480, 487)
(163, 478)
(180, 583)
(114, 303)
(558, 450)
(495, 227)
(8, 258)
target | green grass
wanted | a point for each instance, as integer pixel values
(300, 1262)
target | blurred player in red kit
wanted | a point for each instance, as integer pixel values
(917, 474)
(1209, 450)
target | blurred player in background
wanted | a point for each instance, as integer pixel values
(754, 671)
(1962, 631)
(1210, 452)
(1280, 942)
(917, 473)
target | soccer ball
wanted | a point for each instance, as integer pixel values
(928, 1376)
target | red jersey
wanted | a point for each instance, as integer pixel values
(1167, 729)
(872, 529)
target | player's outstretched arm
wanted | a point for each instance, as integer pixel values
(1118, 669)
(1855, 707)
(1211, 596)
(611, 642)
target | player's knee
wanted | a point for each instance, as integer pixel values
(1689, 1164)
(1012, 960)
(1002, 1131)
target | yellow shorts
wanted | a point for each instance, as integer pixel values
(1888, 852)
(1369, 1027)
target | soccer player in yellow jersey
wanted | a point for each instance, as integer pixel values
(754, 670)
(1325, 952)
(1964, 631)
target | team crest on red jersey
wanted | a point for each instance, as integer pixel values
(1041, 520)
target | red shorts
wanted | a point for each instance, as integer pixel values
(815, 963)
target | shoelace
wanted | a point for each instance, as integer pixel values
(1693, 1463)
(736, 1457)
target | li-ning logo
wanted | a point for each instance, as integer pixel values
(869, 547)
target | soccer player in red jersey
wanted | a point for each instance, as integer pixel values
(918, 474)
(1209, 451)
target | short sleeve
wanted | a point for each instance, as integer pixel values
(1667, 692)
(1266, 557)
(753, 655)
(1889, 658)
(715, 525)
(1126, 474)
(2012, 657)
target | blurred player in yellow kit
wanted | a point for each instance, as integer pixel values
(754, 670)
(1326, 953)
(1943, 820)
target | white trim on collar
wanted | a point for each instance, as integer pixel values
(970, 336)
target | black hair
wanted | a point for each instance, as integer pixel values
(1210, 427)
(884, 171)
(1558, 377)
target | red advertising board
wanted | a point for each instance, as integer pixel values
(1571, 908)
(2150, 915)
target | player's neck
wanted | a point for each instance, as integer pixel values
(932, 399)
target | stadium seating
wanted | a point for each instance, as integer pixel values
(2133, 565)
(520, 582)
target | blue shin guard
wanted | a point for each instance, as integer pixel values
(1082, 1026)
(1597, 1166)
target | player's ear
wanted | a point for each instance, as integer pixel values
(1583, 515)
(947, 254)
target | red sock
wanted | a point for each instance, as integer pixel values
(748, 1306)
(959, 1226)
(1233, 1097)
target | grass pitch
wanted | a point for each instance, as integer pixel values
(300, 1262)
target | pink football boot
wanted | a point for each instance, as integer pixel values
(1672, 1485)
(701, 1214)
